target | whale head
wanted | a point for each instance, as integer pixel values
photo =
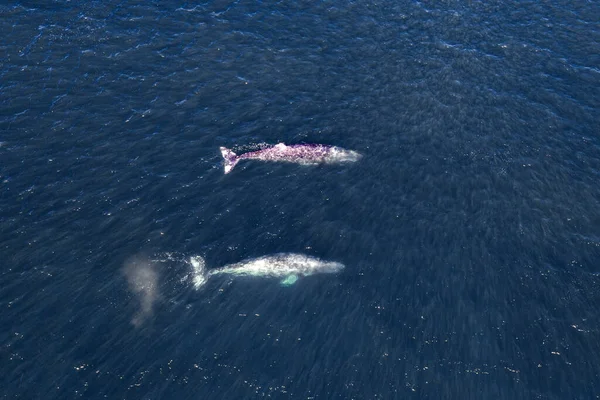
(338, 155)
(330, 267)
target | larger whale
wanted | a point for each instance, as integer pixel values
(285, 266)
(299, 153)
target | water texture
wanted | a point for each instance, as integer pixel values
(470, 229)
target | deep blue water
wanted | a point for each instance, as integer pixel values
(470, 229)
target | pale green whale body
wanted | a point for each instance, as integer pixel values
(285, 266)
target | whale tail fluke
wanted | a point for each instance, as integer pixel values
(230, 159)
(200, 275)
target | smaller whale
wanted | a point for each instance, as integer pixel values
(285, 266)
(307, 154)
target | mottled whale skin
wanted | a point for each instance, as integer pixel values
(285, 266)
(298, 153)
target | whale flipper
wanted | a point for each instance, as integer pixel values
(289, 280)
(230, 159)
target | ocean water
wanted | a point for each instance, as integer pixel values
(470, 229)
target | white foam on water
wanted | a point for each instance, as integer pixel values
(199, 276)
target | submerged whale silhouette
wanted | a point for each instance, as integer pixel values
(298, 153)
(286, 266)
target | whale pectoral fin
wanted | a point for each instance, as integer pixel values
(289, 280)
